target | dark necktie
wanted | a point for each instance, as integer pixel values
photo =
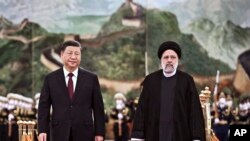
(70, 85)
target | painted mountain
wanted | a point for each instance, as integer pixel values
(224, 42)
(217, 11)
(116, 53)
(16, 55)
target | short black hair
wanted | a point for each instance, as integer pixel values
(70, 43)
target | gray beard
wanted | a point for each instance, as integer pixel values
(167, 74)
(171, 73)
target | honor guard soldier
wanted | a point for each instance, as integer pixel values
(222, 118)
(121, 114)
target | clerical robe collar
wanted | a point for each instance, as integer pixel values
(169, 74)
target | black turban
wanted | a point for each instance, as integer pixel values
(169, 45)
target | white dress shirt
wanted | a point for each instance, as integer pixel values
(74, 77)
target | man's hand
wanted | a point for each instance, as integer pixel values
(98, 138)
(42, 137)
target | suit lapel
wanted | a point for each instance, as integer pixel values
(79, 84)
(62, 83)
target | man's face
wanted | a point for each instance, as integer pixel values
(71, 57)
(169, 61)
(222, 102)
(119, 104)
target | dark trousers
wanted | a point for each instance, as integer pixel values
(70, 135)
(3, 132)
(4, 129)
(124, 134)
(221, 131)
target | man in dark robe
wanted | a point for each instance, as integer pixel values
(169, 108)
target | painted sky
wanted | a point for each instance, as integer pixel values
(53, 14)
(17, 10)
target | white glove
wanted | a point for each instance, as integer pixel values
(120, 116)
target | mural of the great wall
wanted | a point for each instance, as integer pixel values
(121, 40)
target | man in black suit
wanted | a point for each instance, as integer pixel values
(169, 107)
(76, 100)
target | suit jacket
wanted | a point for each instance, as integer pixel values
(187, 117)
(83, 114)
